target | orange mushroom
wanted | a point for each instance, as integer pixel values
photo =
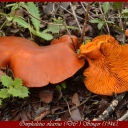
(40, 65)
(107, 72)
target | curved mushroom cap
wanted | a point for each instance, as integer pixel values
(65, 39)
(39, 65)
(9, 44)
(108, 65)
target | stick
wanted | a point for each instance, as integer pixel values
(85, 23)
(107, 113)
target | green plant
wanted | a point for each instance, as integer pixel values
(101, 22)
(60, 87)
(55, 27)
(12, 88)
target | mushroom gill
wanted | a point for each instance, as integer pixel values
(108, 65)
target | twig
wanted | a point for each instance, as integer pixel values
(124, 117)
(122, 27)
(69, 110)
(73, 108)
(104, 18)
(42, 20)
(71, 13)
(106, 114)
(27, 12)
(86, 10)
(74, 14)
(65, 25)
(92, 14)
(85, 23)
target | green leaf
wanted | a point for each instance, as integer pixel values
(21, 22)
(6, 81)
(17, 83)
(96, 20)
(46, 35)
(9, 18)
(124, 11)
(18, 92)
(100, 25)
(110, 22)
(106, 6)
(35, 12)
(4, 93)
(117, 5)
(57, 28)
(63, 85)
(3, 14)
(71, 27)
(96, 102)
(58, 21)
(24, 92)
(53, 28)
(14, 92)
(58, 87)
(14, 5)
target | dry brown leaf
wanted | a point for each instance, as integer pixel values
(80, 11)
(17, 117)
(19, 12)
(41, 116)
(75, 99)
(65, 116)
(24, 116)
(65, 4)
(75, 114)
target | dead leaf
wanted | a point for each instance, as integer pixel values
(41, 116)
(75, 99)
(15, 30)
(65, 4)
(24, 116)
(49, 8)
(119, 37)
(65, 116)
(19, 12)
(29, 114)
(17, 117)
(41, 110)
(75, 114)
(80, 11)
(46, 96)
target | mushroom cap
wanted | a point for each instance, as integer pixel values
(40, 65)
(108, 70)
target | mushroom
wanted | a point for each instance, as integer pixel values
(40, 65)
(107, 72)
